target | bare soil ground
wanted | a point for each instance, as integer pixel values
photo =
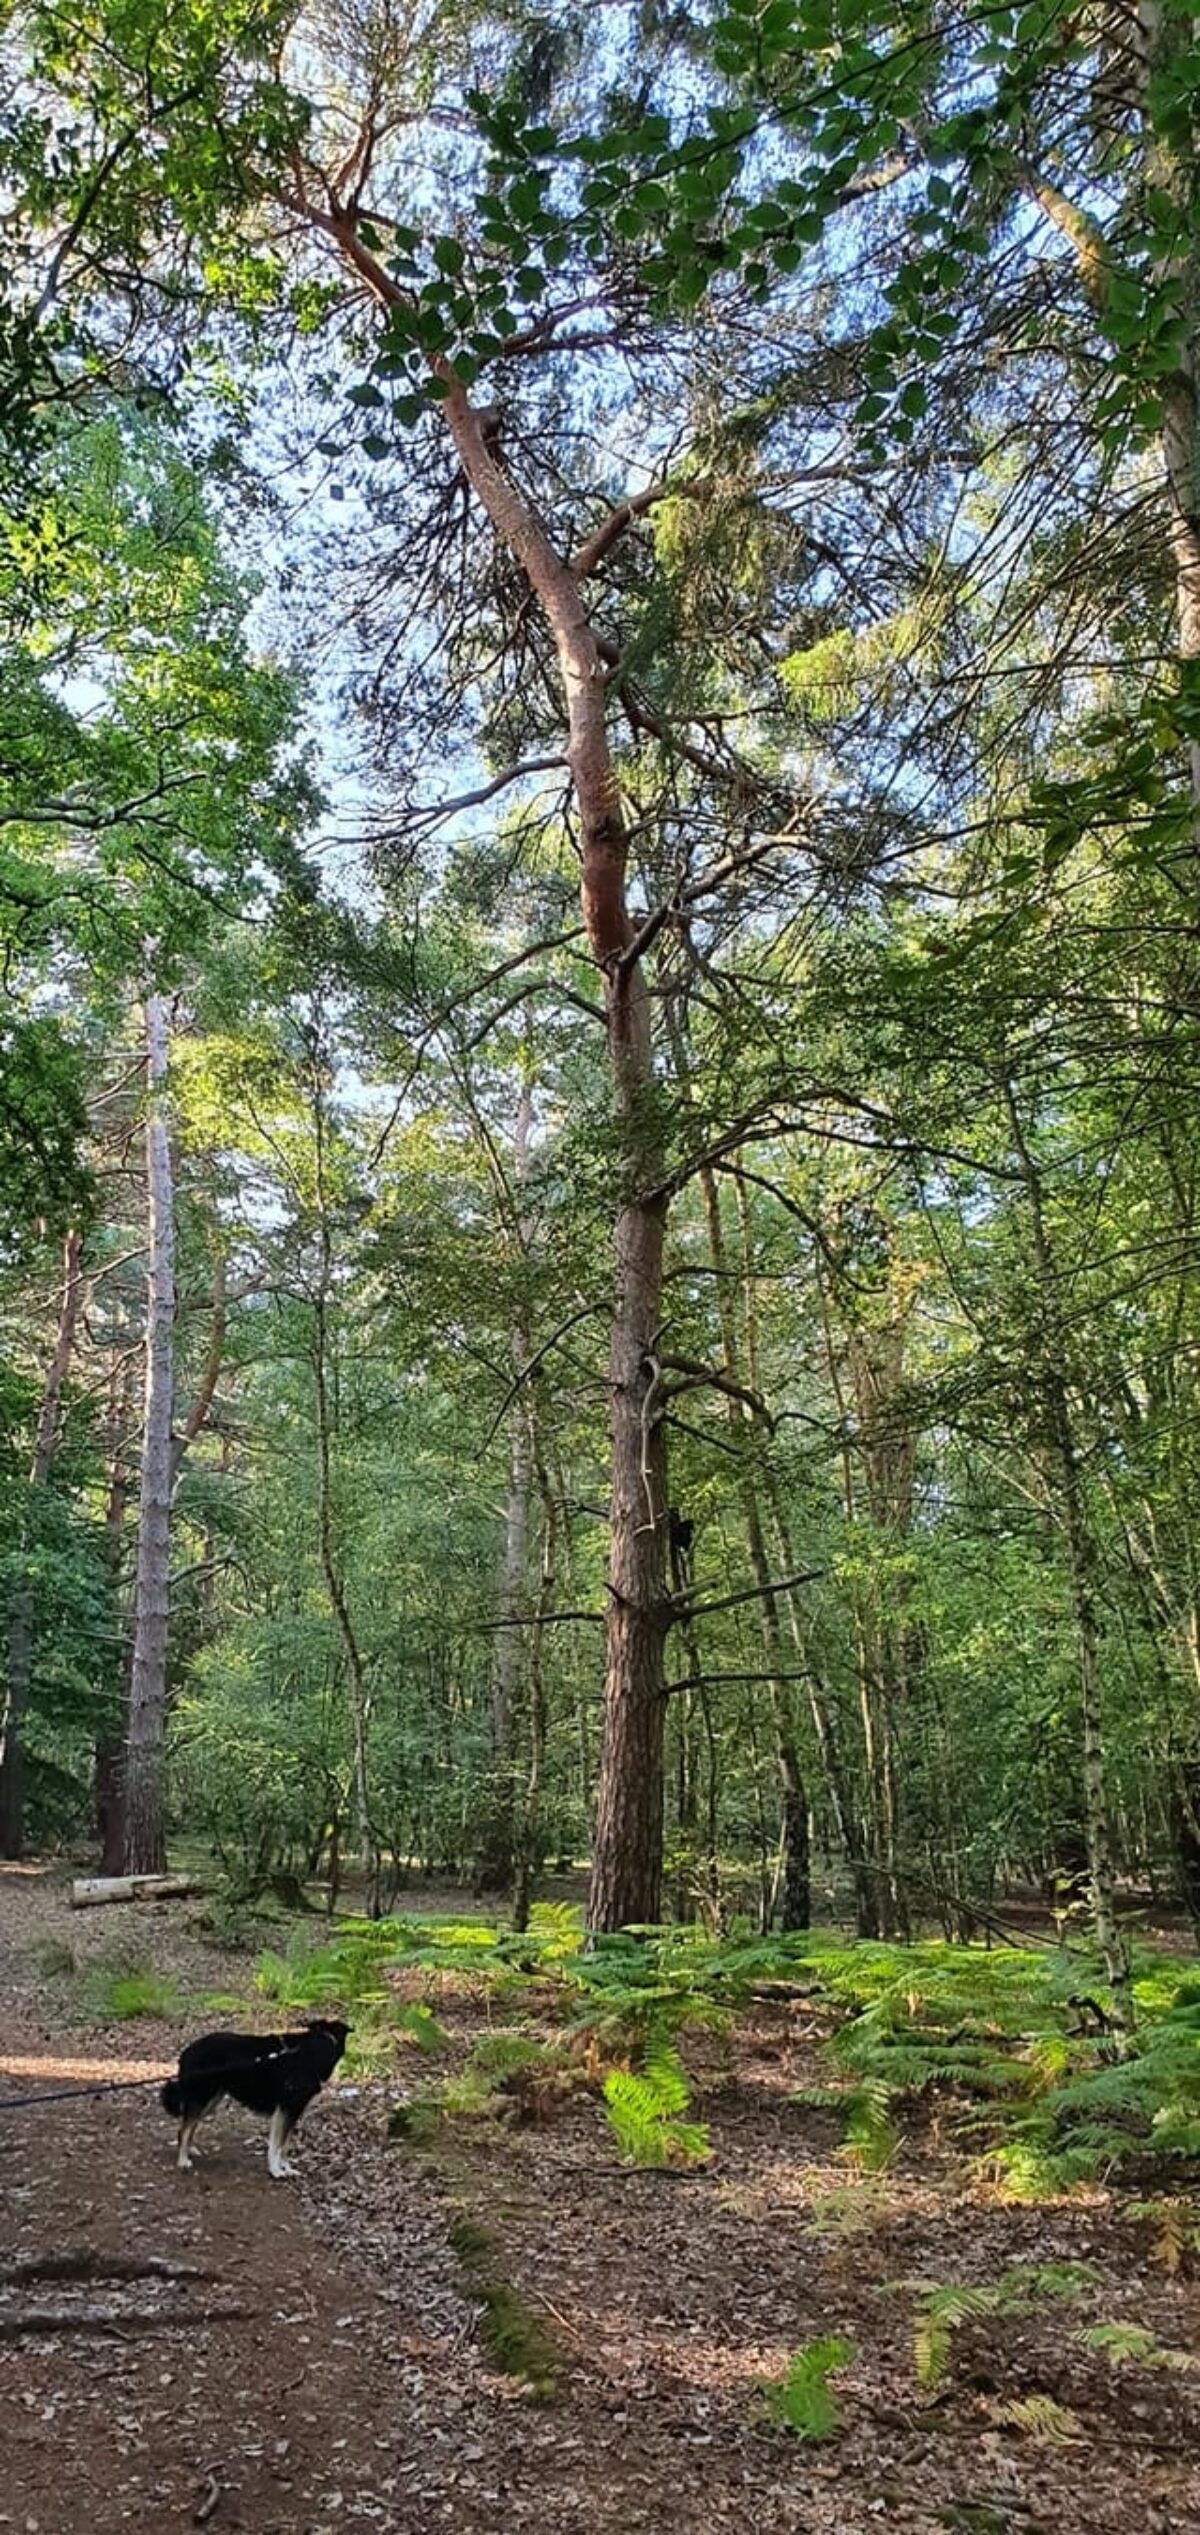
(308, 2359)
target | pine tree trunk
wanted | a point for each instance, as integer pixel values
(626, 1884)
(627, 1843)
(144, 1837)
(21, 1622)
(494, 1870)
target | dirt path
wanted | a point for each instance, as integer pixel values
(329, 2400)
(349, 2387)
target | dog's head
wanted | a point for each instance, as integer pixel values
(329, 2025)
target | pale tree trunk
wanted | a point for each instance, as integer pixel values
(795, 1881)
(528, 1839)
(144, 1838)
(510, 1653)
(1081, 1570)
(882, 1906)
(356, 1676)
(110, 1750)
(21, 1621)
(1166, 38)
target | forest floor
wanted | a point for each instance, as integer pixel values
(304, 2358)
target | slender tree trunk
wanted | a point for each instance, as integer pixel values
(529, 1842)
(795, 1883)
(1080, 1568)
(1166, 37)
(356, 1677)
(144, 1837)
(21, 1622)
(494, 1871)
(109, 1778)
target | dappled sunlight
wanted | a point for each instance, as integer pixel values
(45, 2068)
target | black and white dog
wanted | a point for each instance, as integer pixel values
(275, 2073)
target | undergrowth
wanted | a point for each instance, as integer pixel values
(803, 2399)
(1016, 2047)
(942, 2311)
(114, 1994)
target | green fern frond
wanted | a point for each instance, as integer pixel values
(803, 2400)
(421, 2025)
(871, 2141)
(663, 2071)
(943, 2310)
(1132, 2343)
(643, 2112)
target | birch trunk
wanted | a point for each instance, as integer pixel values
(1080, 1568)
(795, 1881)
(511, 1658)
(356, 1676)
(1165, 38)
(109, 1780)
(21, 1622)
(144, 1839)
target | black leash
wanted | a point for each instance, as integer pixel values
(121, 2085)
(71, 2094)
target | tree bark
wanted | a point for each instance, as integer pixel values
(510, 1655)
(359, 1693)
(795, 1885)
(109, 1777)
(626, 1883)
(144, 1834)
(1080, 1568)
(21, 1622)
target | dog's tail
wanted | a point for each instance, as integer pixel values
(170, 2098)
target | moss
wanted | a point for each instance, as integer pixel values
(512, 2335)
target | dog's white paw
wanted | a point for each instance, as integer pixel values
(280, 2169)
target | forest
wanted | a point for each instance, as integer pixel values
(600, 914)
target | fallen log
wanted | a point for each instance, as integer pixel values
(16, 2323)
(86, 2264)
(88, 1891)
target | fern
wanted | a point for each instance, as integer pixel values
(1176, 2231)
(1048, 2423)
(643, 2112)
(119, 1996)
(1132, 2343)
(556, 1931)
(803, 2400)
(420, 2024)
(943, 2310)
(871, 2141)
